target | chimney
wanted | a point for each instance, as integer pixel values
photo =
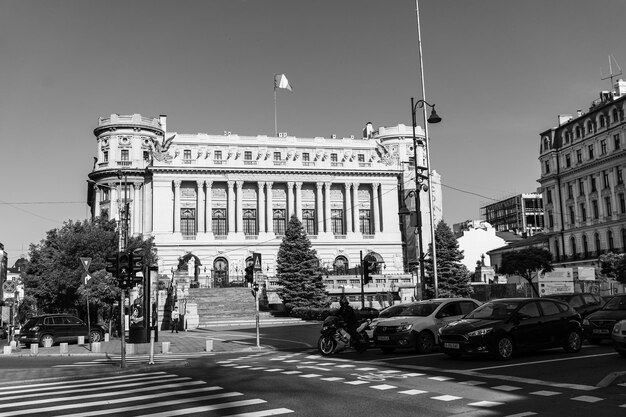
(163, 122)
(579, 113)
(368, 132)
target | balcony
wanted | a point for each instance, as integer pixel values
(219, 161)
(369, 236)
(340, 236)
(336, 164)
(189, 237)
(280, 163)
(252, 237)
(189, 161)
(248, 162)
(308, 164)
(365, 164)
(221, 237)
(124, 163)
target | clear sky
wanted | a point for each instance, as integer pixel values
(499, 71)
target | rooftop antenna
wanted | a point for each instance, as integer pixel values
(612, 76)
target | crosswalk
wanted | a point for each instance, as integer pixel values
(152, 394)
(114, 360)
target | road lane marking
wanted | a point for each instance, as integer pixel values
(485, 404)
(319, 368)
(506, 388)
(446, 398)
(539, 362)
(587, 399)
(263, 413)
(383, 387)
(413, 392)
(544, 393)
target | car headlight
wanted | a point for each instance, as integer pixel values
(34, 329)
(404, 327)
(585, 322)
(617, 328)
(480, 332)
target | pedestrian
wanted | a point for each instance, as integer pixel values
(175, 317)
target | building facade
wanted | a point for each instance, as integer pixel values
(582, 176)
(521, 214)
(216, 199)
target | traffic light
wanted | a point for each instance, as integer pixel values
(255, 289)
(249, 274)
(136, 265)
(111, 264)
(369, 268)
(123, 264)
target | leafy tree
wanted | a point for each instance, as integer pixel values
(298, 270)
(526, 262)
(53, 277)
(453, 278)
(613, 265)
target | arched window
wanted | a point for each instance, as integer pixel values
(340, 265)
(220, 272)
(546, 144)
(614, 114)
(249, 222)
(589, 127)
(602, 120)
(578, 132)
(597, 241)
(188, 222)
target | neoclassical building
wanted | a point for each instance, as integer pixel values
(222, 197)
(582, 176)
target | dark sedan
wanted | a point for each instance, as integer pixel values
(599, 325)
(502, 327)
(49, 329)
(583, 303)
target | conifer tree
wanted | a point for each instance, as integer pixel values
(453, 278)
(298, 270)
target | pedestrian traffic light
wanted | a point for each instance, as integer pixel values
(249, 274)
(136, 265)
(111, 264)
(369, 268)
(123, 266)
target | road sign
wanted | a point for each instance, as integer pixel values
(8, 286)
(86, 262)
(86, 277)
(256, 261)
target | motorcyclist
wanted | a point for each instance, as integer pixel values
(347, 314)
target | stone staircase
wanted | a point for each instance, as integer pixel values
(225, 304)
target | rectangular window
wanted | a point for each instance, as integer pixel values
(594, 209)
(279, 221)
(249, 222)
(590, 148)
(188, 222)
(276, 156)
(607, 206)
(365, 222)
(603, 147)
(247, 155)
(605, 179)
(581, 186)
(570, 190)
(187, 154)
(337, 221)
(550, 219)
(583, 213)
(572, 216)
(218, 155)
(105, 194)
(361, 157)
(579, 156)
(568, 161)
(308, 221)
(547, 167)
(146, 155)
(333, 157)
(105, 156)
(616, 142)
(219, 220)
(593, 184)
(622, 203)
(306, 157)
(619, 174)
(124, 156)
(549, 196)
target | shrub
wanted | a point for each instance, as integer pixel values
(312, 313)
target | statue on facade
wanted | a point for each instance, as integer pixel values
(160, 151)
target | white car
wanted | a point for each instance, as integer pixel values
(417, 324)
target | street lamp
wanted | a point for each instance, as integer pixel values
(420, 185)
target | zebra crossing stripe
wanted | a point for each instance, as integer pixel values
(83, 381)
(263, 413)
(202, 409)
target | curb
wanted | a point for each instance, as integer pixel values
(109, 354)
(612, 379)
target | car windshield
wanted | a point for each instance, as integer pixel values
(494, 310)
(31, 322)
(392, 311)
(419, 309)
(615, 303)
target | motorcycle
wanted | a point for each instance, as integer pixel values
(336, 338)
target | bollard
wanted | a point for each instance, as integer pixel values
(13, 344)
(34, 349)
(165, 347)
(7, 350)
(130, 348)
(64, 348)
(209, 345)
(151, 362)
(81, 340)
(96, 347)
(107, 337)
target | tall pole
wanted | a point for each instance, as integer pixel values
(275, 114)
(427, 143)
(122, 247)
(418, 210)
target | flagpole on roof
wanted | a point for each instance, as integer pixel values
(275, 115)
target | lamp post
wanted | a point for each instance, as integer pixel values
(419, 186)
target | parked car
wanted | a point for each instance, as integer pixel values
(583, 303)
(502, 327)
(598, 326)
(618, 337)
(415, 325)
(55, 328)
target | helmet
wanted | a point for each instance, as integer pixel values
(343, 301)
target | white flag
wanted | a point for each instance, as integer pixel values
(281, 82)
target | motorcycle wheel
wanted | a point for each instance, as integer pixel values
(326, 345)
(363, 343)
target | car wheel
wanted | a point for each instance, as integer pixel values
(388, 350)
(574, 342)
(95, 336)
(46, 339)
(504, 348)
(425, 342)
(594, 341)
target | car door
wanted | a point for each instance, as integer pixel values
(527, 326)
(555, 324)
(74, 328)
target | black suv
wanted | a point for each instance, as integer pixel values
(584, 303)
(55, 328)
(599, 325)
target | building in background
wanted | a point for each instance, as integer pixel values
(583, 161)
(521, 214)
(213, 200)
(475, 239)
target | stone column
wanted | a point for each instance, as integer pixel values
(208, 209)
(147, 208)
(270, 207)
(261, 205)
(200, 203)
(349, 208)
(239, 206)
(327, 208)
(319, 212)
(115, 208)
(299, 200)
(231, 207)
(97, 195)
(376, 208)
(136, 208)
(177, 206)
(355, 207)
(290, 208)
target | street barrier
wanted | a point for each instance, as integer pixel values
(7, 350)
(81, 340)
(96, 347)
(107, 337)
(165, 347)
(64, 348)
(34, 349)
(209, 345)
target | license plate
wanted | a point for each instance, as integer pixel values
(382, 338)
(600, 331)
(451, 345)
